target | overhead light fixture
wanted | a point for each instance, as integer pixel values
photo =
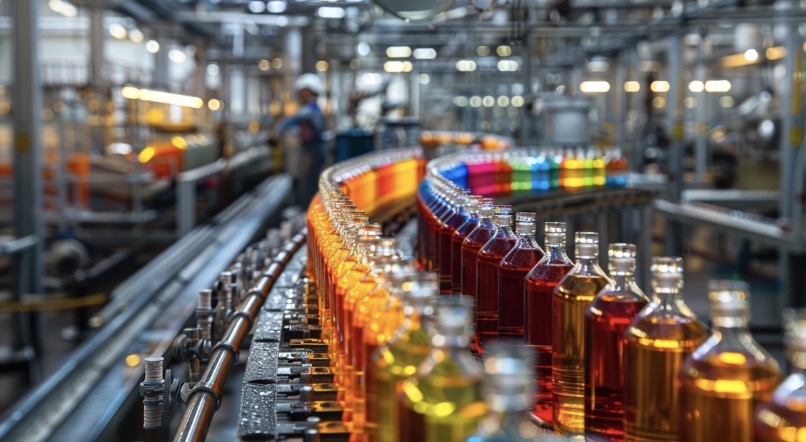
(465, 65)
(632, 86)
(398, 52)
(63, 7)
(517, 101)
(696, 86)
(475, 101)
(751, 55)
(425, 53)
(136, 35)
(397, 66)
(507, 65)
(177, 56)
(460, 101)
(363, 49)
(715, 86)
(330, 12)
(263, 65)
(116, 30)
(153, 46)
(594, 87)
(133, 93)
(660, 86)
(276, 6)
(257, 7)
(503, 101)
(214, 104)
(322, 66)
(503, 51)
(483, 51)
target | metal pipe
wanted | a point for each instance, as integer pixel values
(205, 396)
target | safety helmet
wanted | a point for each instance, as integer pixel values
(312, 82)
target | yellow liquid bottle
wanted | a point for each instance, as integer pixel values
(783, 418)
(658, 340)
(442, 402)
(398, 359)
(729, 375)
(570, 300)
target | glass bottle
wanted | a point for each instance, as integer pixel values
(446, 231)
(538, 294)
(442, 401)
(440, 217)
(616, 169)
(571, 297)
(508, 391)
(658, 340)
(783, 419)
(471, 245)
(727, 377)
(512, 272)
(490, 256)
(606, 319)
(472, 220)
(394, 362)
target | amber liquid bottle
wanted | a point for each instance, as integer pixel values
(397, 360)
(512, 272)
(571, 297)
(606, 319)
(490, 255)
(539, 288)
(783, 419)
(659, 339)
(445, 233)
(728, 376)
(442, 402)
(471, 245)
(473, 205)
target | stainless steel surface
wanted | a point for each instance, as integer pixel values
(206, 395)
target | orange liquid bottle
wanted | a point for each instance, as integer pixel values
(606, 319)
(571, 297)
(471, 245)
(539, 288)
(657, 342)
(783, 418)
(728, 376)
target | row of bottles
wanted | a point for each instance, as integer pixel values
(401, 353)
(608, 360)
(521, 172)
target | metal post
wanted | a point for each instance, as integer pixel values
(27, 172)
(621, 98)
(185, 207)
(98, 130)
(162, 63)
(702, 112)
(675, 127)
(526, 67)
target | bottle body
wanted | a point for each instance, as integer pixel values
(487, 263)
(657, 343)
(783, 419)
(512, 271)
(570, 299)
(456, 252)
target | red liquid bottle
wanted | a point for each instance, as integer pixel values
(512, 272)
(606, 319)
(446, 230)
(440, 213)
(538, 290)
(470, 248)
(490, 256)
(472, 221)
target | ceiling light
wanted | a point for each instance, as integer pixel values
(659, 86)
(483, 51)
(133, 93)
(177, 56)
(322, 66)
(63, 7)
(632, 86)
(503, 101)
(363, 49)
(717, 86)
(425, 53)
(460, 101)
(465, 65)
(276, 6)
(212, 69)
(517, 101)
(277, 63)
(696, 86)
(507, 65)
(263, 65)
(503, 51)
(153, 46)
(726, 101)
(775, 53)
(257, 7)
(398, 52)
(751, 55)
(116, 30)
(394, 66)
(594, 87)
(214, 104)
(425, 79)
(488, 101)
(136, 35)
(475, 101)
(330, 12)
(658, 102)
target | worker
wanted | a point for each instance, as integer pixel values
(311, 128)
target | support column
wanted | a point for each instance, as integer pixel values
(97, 81)
(526, 68)
(621, 98)
(674, 103)
(292, 63)
(162, 62)
(27, 172)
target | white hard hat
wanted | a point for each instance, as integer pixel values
(311, 82)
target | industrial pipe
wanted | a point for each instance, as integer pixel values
(205, 396)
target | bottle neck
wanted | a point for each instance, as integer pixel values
(556, 252)
(588, 264)
(730, 324)
(622, 280)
